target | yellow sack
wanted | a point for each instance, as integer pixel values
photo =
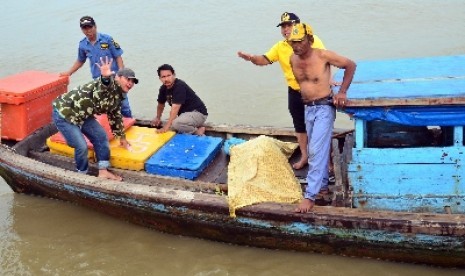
(259, 171)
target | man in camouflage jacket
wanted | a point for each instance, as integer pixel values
(73, 114)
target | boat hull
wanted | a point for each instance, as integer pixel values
(436, 239)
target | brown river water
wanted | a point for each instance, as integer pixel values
(200, 39)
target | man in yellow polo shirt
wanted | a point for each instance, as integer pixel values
(281, 52)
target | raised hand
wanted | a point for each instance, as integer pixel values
(105, 66)
(244, 56)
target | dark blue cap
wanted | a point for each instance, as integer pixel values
(289, 17)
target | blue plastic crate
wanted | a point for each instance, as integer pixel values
(184, 156)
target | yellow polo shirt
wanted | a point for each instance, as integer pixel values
(282, 52)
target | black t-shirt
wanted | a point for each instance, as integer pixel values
(181, 94)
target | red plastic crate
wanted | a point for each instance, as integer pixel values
(26, 102)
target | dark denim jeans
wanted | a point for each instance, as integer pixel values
(74, 138)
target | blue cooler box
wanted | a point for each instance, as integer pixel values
(184, 156)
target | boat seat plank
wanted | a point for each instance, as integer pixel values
(138, 177)
(217, 171)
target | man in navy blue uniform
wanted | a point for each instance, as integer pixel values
(95, 46)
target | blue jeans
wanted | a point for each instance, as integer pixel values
(319, 121)
(125, 108)
(74, 138)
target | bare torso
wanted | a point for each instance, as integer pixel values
(313, 73)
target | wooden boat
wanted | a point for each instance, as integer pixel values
(348, 221)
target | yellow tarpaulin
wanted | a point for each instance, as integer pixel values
(259, 171)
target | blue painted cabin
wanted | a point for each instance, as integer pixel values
(409, 145)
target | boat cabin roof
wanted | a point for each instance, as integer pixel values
(425, 81)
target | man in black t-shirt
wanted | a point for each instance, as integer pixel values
(188, 112)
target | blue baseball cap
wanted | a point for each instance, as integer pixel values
(289, 17)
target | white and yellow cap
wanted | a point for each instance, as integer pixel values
(299, 31)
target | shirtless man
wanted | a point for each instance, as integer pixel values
(281, 52)
(311, 68)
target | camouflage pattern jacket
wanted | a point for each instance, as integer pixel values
(93, 98)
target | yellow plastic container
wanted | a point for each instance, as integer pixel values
(144, 143)
(64, 149)
(57, 142)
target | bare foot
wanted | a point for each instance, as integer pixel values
(108, 175)
(200, 131)
(305, 206)
(299, 165)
